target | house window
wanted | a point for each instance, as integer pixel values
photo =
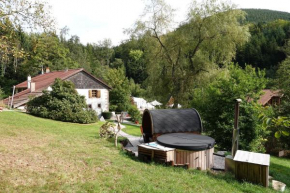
(90, 106)
(99, 105)
(94, 94)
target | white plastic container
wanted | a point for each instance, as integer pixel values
(278, 185)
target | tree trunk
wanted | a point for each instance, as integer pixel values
(116, 138)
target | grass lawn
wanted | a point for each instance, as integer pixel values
(40, 155)
(280, 170)
(132, 129)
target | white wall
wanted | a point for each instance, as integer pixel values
(104, 100)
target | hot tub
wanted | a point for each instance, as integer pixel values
(195, 151)
(179, 129)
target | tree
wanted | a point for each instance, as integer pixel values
(13, 15)
(264, 48)
(136, 67)
(1, 93)
(120, 94)
(32, 14)
(78, 53)
(208, 38)
(215, 102)
(63, 103)
(283, 82)
(48, 51)
(105, 51)
(136, 89)
(278, 123)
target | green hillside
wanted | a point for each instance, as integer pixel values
(265, 15)
(41, 155)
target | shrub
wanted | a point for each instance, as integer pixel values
(134, 113)
(63, 103)
(113, 107)
(107, 115)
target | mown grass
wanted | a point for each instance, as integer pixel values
(40, 155)
(132, 129)
(280, 170)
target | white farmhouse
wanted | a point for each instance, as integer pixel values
(95, 91)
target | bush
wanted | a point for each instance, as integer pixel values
(63, 103)
(113, 107)
(107, 115)
(134, 113)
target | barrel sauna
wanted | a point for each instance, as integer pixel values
(162, 121)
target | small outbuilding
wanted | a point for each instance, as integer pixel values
(252, 167)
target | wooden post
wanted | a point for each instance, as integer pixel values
(12, 97)
(119, 129)
(235, 141)
(9, 102)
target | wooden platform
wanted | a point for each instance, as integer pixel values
(156, 154)
(191, 159)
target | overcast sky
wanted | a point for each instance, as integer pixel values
(95, 20)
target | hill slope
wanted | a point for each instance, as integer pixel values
(40, 155)
(265, 15)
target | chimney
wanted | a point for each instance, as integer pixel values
(28, 81)
(32, 87)
(47, 70)
(42, 71)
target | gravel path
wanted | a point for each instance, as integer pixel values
(134, 141)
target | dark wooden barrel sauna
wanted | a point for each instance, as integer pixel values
(161, 121)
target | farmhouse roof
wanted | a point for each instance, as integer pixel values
(268, 94)
(44, 80)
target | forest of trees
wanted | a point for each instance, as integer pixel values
(265, 15)
(217, 46)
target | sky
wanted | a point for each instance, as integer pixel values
(96, 20)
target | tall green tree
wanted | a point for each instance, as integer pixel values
(136, 66)
(282, 82)
(215, 102)
(32, 13)
(177, 56)
(13, 15)
(47, 51)
(120, 94)
(264, 47)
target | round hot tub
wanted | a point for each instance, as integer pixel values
(195, 151)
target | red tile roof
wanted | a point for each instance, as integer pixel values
(268, 94)
(44, 80)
